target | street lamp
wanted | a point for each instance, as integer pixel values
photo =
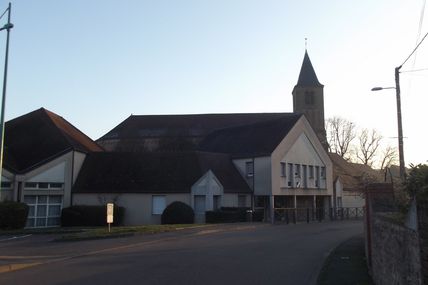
(400, 125)
(6, 27)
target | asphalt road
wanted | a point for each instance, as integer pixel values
(232, 254)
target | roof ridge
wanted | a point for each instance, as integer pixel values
(65, 135)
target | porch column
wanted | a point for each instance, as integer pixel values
(272, 210)
(295, 201)
(315, 202)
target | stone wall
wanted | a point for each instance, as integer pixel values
(423, 237)
(395, 255)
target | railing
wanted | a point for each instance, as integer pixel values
(294, 215)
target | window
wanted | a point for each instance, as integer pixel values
(30, 185)
(6, 184)
(55, 185)
(216, 202)
(249, 168)
(290, 176)
(305, 176)
(322, 172)
(242, 201)
(283, 169)
(317, 176)
(311, 171)
(44, 211)
(309, 98)
(158, 204)
(297, 176)
(43, 185)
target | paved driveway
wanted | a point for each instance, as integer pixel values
(231, 254)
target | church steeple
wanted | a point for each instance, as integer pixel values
(307, 76)
(308, 98)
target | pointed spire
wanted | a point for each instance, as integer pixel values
(307, 76)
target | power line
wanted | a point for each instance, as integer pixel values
(414, 49)
(4, 13)
(414, 70)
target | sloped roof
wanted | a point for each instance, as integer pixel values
(260, 138)
(162, 172)
(354, 176)
(307, 76)
(196, 125)
(39, 136)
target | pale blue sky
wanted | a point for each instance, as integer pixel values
(96, 62)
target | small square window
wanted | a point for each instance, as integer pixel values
(309, 98)
(249, 168)
(158, 204)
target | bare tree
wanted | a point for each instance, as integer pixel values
(368, 146)
(388, 157)
(340, 134)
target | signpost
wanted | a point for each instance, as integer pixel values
(110, 207)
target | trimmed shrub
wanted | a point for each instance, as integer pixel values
(227, 215)
(13, 215)
(90, 216)
(178, 213)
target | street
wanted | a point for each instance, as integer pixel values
(225, 254)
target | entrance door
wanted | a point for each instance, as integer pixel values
(199, 202)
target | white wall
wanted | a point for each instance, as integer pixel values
(209, 186)
(260, 182)
(352, 199)
(301, 146)
(138, 207)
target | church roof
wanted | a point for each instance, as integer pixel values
(256, 139)
(39, 136)
(307, 76)
(159, 172)
(193, 125)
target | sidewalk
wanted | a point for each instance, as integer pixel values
(346, 265)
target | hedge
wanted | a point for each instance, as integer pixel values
(13, 215)
(178, 213)
(226, 215)
(90, 216)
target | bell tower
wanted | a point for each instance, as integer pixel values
(308, 98)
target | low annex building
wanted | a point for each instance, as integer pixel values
(43, 154)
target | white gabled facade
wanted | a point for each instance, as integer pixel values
(46, 189)
(298, 173)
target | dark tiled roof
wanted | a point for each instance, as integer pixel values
(254, 139)
(182, 125)
(41, 135)
(162, 172)
(354, 176)
(307, 76)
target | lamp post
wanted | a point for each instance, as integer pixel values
(400, 125)
(6, 27)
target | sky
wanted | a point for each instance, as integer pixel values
(97, 62)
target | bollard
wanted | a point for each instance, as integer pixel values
(307, 215)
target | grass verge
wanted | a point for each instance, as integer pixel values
(101, 233)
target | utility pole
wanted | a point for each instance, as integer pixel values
(6, 27)
(400, 125)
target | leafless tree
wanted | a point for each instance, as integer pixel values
(340, 134)
(388, 157)
(368, 146)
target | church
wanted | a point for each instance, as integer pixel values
(267, 161)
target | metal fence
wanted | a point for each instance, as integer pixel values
(294, 215)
